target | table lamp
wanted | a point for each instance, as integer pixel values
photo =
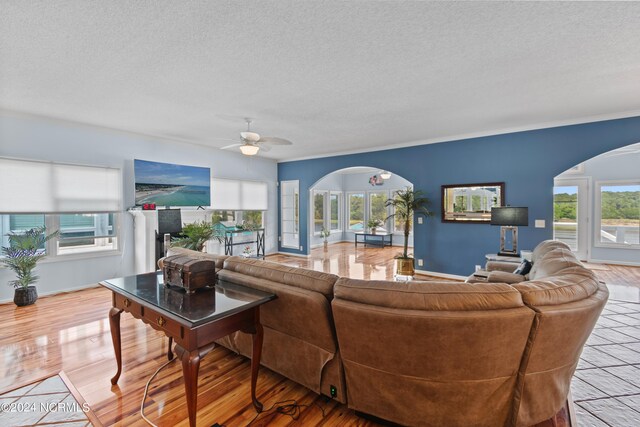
(509, 218)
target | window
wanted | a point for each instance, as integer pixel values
(377, 208)
(289, 214)
(85, 233)
(79, 233)
(619, 214)
(355, 201)
(334, 214)
(319, 199)
(223, 216)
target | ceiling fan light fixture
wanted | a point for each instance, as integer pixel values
(249, 150)
(385, 174)
(250, 136)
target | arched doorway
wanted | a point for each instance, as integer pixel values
(344, 201)
(597, 207)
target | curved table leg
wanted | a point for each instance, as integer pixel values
(114, 323)
(256, 352)
(190, 366)
(169, 352)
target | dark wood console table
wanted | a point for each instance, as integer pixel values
(192, 321)
(377, 239)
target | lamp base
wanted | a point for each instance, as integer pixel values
(514, 241)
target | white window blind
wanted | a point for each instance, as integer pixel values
(230, 194)
(43, 187)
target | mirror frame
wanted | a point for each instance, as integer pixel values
(462, 217)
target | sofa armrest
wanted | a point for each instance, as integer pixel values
(504, 277)
(508, 267)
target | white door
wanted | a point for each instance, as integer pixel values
(571, 214)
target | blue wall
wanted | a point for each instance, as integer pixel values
(526, 161)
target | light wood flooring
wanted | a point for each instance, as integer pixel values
(70, 332)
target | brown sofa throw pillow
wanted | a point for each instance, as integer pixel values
(523, 268)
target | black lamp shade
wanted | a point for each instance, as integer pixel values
(510, 216)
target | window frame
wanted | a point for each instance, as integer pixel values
(52, 222)
(597, 223)
(325, 194)
(347, 210)
(385, 222)
(339, 198)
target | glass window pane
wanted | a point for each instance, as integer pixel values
(223, 216)
(356, 212)
(620, 214)
(335, 211)
(252, 218)
(377, 208)
(86, 233)
(318, 211)
(17, 224)
(565, 214)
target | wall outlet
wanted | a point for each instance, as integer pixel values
(419, 220)
(420, 263)
(540, 223)
(301, 248)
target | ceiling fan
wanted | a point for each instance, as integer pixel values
(251, 142)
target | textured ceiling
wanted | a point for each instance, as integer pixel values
(331, 76)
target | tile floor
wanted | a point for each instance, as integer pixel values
(606, 385)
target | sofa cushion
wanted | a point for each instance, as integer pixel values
(553, 262)
(292, 276)
(436, 296)
(570, 284)
(547, 246)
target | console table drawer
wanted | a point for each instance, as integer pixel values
(161, 322)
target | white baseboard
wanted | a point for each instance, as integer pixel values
(601, 261)
(443, 275)
(59, 291)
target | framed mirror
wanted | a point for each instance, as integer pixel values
(471, 203)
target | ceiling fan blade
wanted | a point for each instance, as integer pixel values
(226, 147)
(275, 141)
(264, 147)
(225, 139)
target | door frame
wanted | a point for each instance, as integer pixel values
(585, 214)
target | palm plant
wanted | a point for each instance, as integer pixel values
(196, 234)
(407, 203)
(23, 254)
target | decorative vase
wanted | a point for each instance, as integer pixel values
(25, 296)
(404, 266)
(373, 230)
(326, 245)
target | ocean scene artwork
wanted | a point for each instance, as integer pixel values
(168, 184)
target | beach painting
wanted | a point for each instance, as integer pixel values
(168, 184)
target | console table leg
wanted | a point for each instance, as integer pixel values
(190, 366)
(169, 352)
(114, 323)
(256, 352)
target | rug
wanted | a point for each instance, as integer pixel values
(51, 401)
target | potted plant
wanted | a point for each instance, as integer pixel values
(373, 224)
(22, 256)
(407, 203)
(195, 235)
(324, 233)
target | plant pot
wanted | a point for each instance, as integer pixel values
(373, 231)
(25, 296)
(404, 267)
(326, 245)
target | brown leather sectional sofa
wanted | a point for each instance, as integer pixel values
(429, 353)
